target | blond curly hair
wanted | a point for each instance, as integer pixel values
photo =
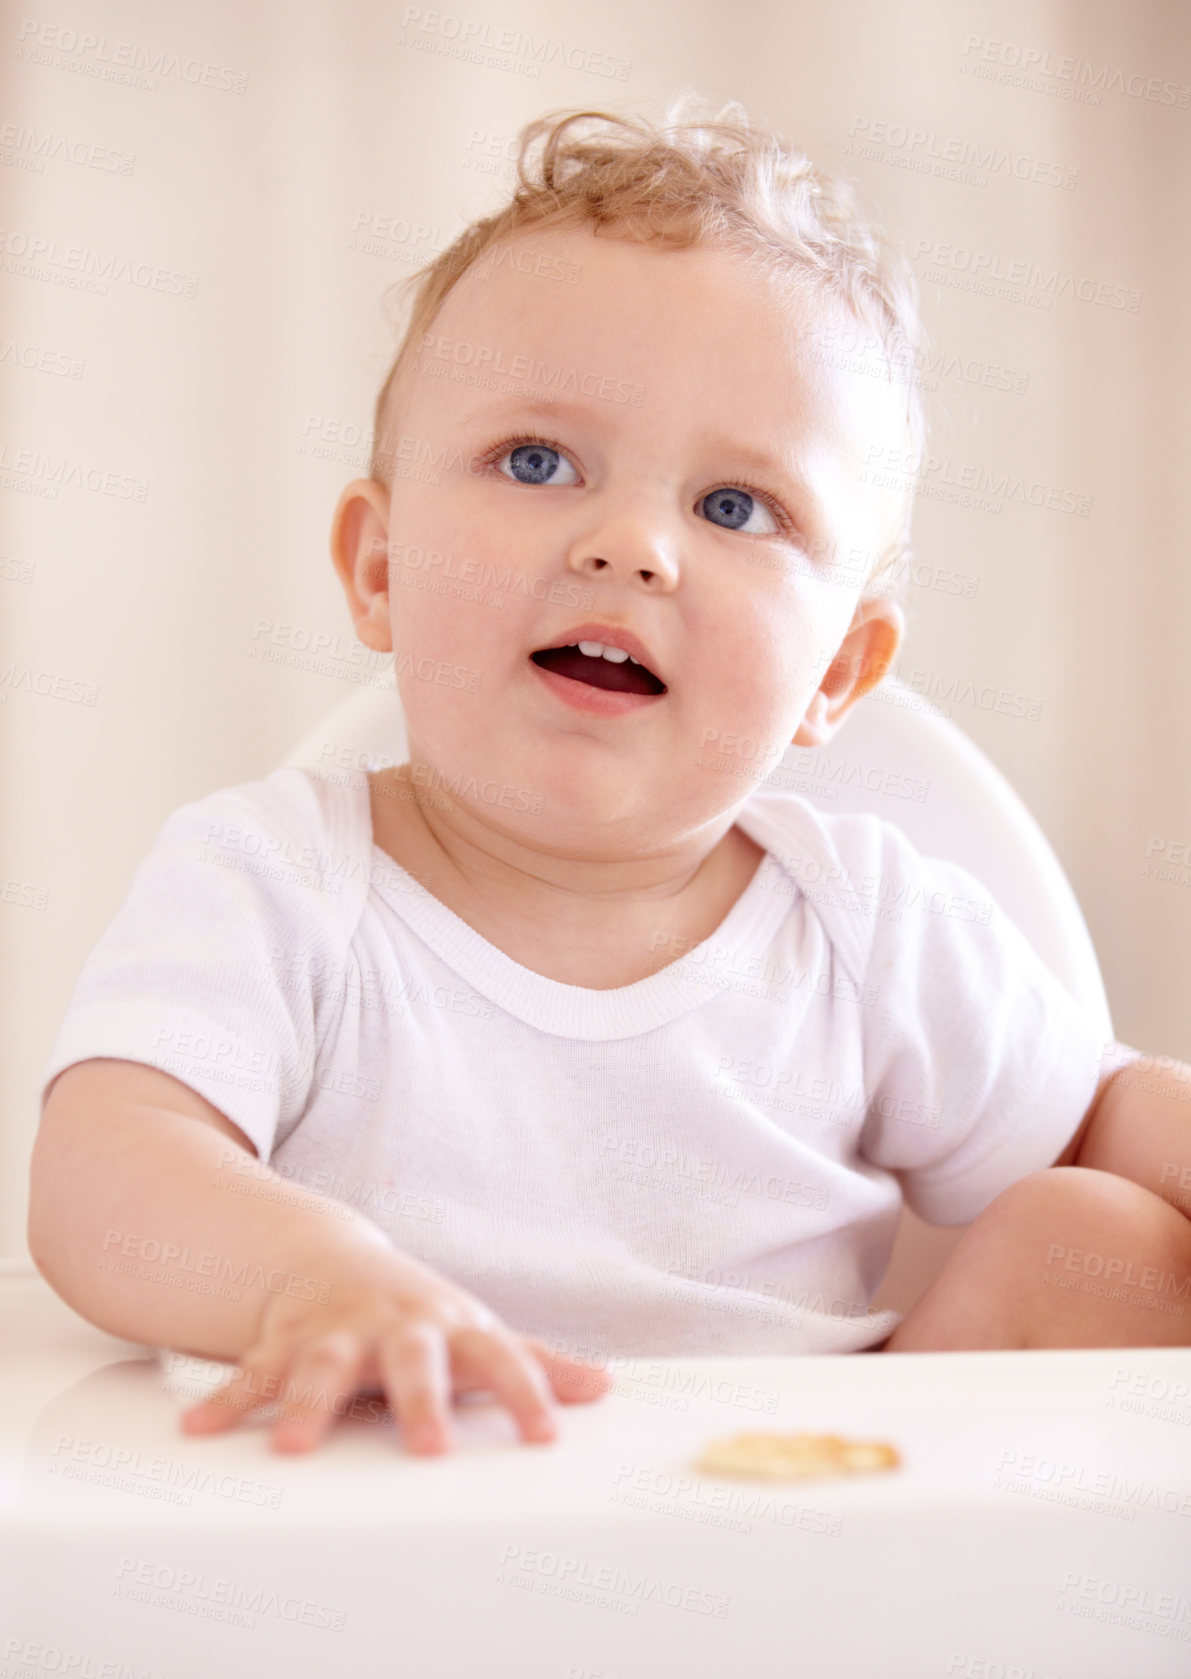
(697, 177)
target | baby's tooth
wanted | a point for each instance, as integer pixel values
(597, 649)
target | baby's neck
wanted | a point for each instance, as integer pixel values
(599, 940)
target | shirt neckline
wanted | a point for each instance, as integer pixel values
(732, 955)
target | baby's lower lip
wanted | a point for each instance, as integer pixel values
(600, 702)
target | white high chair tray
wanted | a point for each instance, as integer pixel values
(1040, 1524)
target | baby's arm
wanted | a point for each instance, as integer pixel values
(127, 1156)
(128, 1160)
(1139, 1127)
(1122, 1259)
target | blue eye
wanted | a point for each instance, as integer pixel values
(736, 508)
(533, 461)
(536, 463)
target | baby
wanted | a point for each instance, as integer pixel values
(549, 1044)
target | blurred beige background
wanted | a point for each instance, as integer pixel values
(202, 208)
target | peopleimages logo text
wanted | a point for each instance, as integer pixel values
(987, 267)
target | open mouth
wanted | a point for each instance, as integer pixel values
(624, 675)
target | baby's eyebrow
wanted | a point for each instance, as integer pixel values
(548, 407)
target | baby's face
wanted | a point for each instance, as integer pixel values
(696, 495)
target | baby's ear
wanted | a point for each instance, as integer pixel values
(862, 659)
(360, 550)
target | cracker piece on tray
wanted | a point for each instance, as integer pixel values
(796, 1457)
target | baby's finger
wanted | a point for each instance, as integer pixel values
(321, 1383)
(573, 1381)
(255, 1383)
(416, 1373)
(509, 1371)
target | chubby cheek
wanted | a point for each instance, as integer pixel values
(454, 592)
(756, 683)
(438, 607)
(458, 665)
(442, 658)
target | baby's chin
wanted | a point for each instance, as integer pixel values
(554, 778)
(612, 816)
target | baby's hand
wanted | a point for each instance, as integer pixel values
(394, 1324)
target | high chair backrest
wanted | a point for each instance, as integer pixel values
(899, 757)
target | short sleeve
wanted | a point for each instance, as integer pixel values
(206, 970)
(979, 1064)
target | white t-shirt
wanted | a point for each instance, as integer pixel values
(706, 1162)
